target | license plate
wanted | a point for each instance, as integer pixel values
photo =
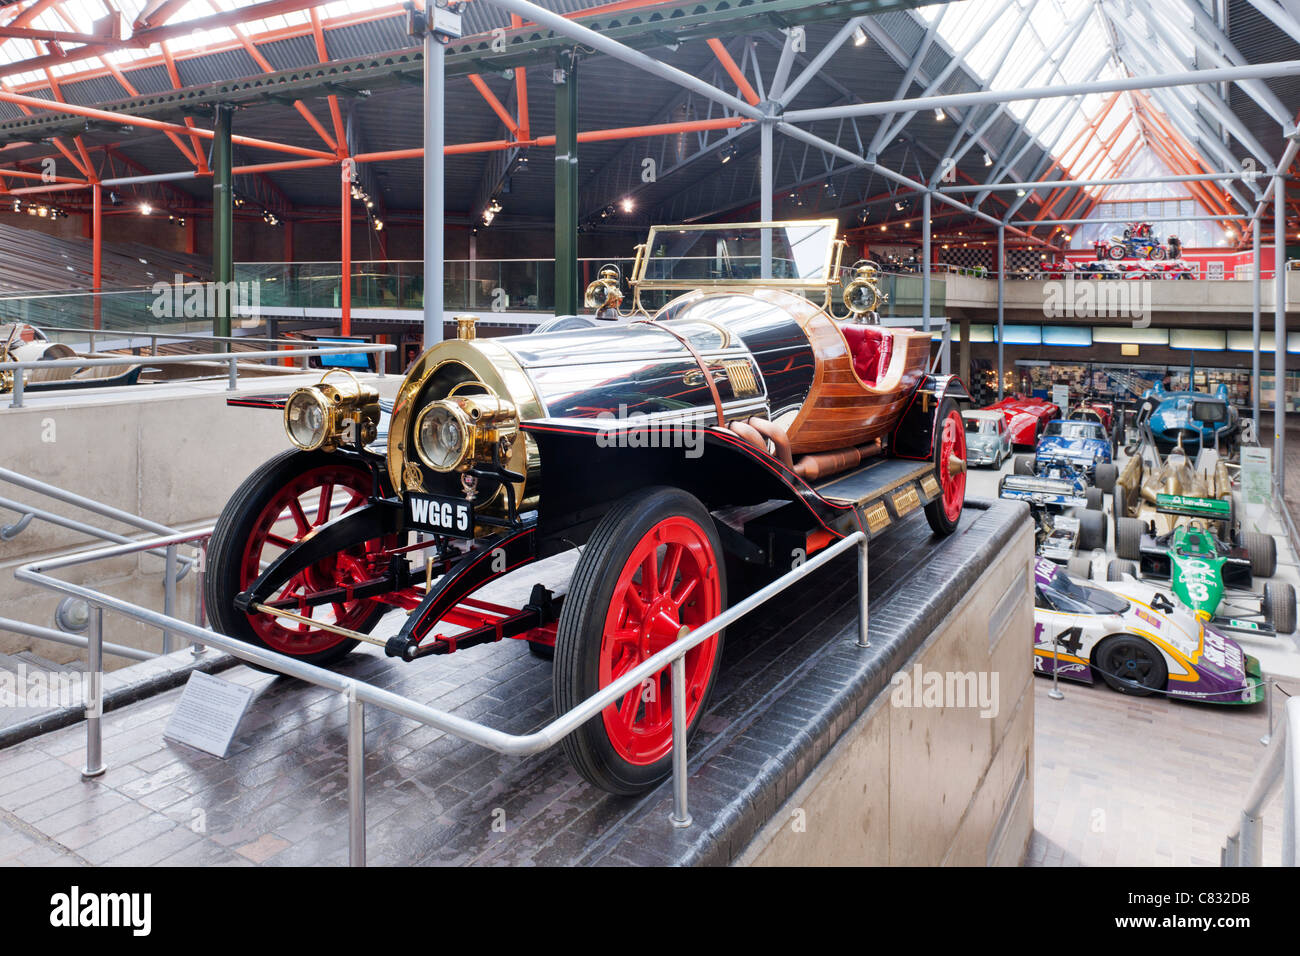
(440, 513)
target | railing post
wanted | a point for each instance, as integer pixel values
(862, 592)
(1229, 855)
(356, 779)
(1291, 732)
(200, 611)
(17, 401)
(1250, 842)
(169, 594)
(234, 374)
(95, 696)
(680, 817)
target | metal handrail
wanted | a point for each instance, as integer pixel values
(358, 693)
(1245, 844)
(231, 358)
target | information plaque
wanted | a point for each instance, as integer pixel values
(208, 714)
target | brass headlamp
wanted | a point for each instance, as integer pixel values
(605, 292)
(327, 414)
(862, 296)
(457, 432)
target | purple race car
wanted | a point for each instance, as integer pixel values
(1137, 639)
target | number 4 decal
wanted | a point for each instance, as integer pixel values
(1071, 639)
(1161, 603)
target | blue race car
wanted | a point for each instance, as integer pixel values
(1084, 444)
(1198, 418)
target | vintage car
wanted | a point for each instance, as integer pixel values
(20, 342)
(1136, 639)
(987, 440)
(1196, 419)
(1084, 444)
(1026, 417)
(742, 426)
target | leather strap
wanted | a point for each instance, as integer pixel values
(699, 360)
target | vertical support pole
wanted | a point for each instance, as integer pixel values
(680, 817)
(223, 217)
(356, 779)
(963, 352)
(765, 198)
(1290, 824)
(1257, 283)
(862, 593)
(95, 696)
(925, 262)
(169, 594)
(566, 185)
(1279, 333)
(1002, 288)
(345, 249)
(473, 268)
(96, 253)
(200, 611)
(435, 88)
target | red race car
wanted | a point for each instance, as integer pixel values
(1026, 417)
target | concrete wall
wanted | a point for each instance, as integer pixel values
(170, 453)
(925, 786)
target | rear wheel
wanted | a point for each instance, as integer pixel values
(1279, 606)
(1128, 539)
(277, 506)
(1106, 476)
(1094, 499)
(1092, 530)
(950, 466)
(651, 571)
(1130, 665)
(1079, 567)
(1262, 550)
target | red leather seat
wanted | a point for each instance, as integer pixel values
(870, 347)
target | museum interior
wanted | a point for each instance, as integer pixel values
(781, 425)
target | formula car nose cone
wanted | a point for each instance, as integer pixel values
(956, 465)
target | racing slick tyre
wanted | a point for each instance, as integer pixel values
(1130, 665)
(278, 505)
(1079, 567)
(1118, 507)
(1128, 538)
(1278, 606)
(1116, 569)
(1262, 550)
(1023, 465)
(1092, 530)
(950, 468)
(1105, 477)
(652, 569)
(1094, 499)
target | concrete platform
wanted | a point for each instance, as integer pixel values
(792, 682)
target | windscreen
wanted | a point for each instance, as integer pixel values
(694, 256)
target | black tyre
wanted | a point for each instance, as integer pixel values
(1262, 551)
(1118, 507)
(1105, 477)
(950, 468)
(1094, 499)
(1116, 569)
(278, 504)
(542, 651)
(652, 566)
(1023, 465)
(1130, 665)
(1128, 539)
(1279, 606)
(1092, 530)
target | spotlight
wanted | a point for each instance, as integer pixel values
(18, 205)
(180, 221)
(727, 154)
(859, 37)
(145, 209)
(882, 228)
(627, 204)
(988, 160)
(43, 211)
(940, 115)
(830, 191)
(1020, 192)
(863, 215)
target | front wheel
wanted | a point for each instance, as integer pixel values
(651, 571)
(278, 505)
(950, 467)
(1130, 665)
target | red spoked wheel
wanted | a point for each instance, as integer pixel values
(950, 469)
(651, 572)
(279, 505)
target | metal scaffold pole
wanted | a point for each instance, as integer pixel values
(1256, 282)
(925, 262)
(1002, 282)
(223, 205)
(566, 186)
(435, 88)
(1279, 332)
(765, 198)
